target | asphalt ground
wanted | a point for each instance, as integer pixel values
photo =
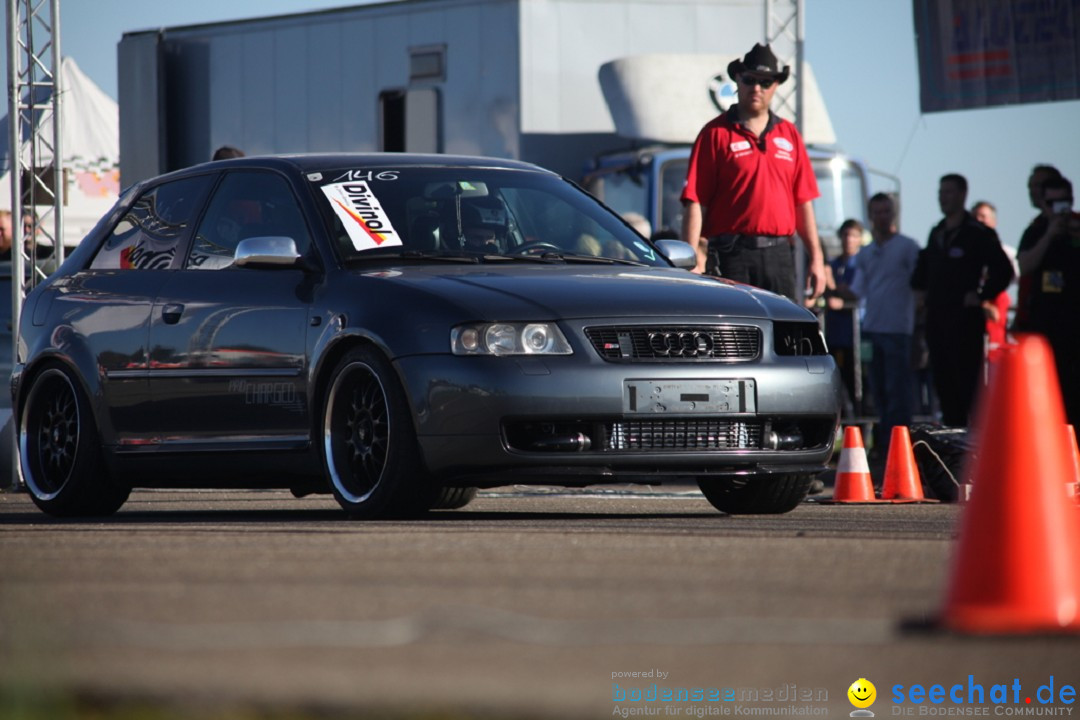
(528, 603)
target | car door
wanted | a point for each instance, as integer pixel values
(227, 344)
(106, 307)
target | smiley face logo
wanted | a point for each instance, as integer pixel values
(862, 693)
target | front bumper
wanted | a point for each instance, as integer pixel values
(564, 420)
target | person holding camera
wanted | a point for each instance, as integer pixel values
(1050, 280)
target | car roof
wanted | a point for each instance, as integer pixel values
(304, 162)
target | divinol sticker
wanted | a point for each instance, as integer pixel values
(362, 215)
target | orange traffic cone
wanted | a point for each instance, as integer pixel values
(1016, 567)
(853, 483)
(902, 483)
(1073, 483)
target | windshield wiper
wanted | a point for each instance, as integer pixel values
(512, 257)
(571, 257)
(546, 258)
(415, 255)
(440, 255)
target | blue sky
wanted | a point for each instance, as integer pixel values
(863, 53)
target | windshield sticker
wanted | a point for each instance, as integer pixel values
(362, 215)
(366, 176)
(645, 249)
(314, 177)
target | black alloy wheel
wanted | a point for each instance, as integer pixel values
(60, 452)
(369, 447)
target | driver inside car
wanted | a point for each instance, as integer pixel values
(484, 225)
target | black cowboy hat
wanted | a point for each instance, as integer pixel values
(759, 60)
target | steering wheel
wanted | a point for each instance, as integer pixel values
(536, 247)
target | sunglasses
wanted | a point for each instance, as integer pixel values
(750, 81)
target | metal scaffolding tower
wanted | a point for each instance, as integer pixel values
(35, 154)
(784, 34)
(784, 30)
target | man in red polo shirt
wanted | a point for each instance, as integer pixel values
(749, 188)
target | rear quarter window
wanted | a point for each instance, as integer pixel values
(149, 234)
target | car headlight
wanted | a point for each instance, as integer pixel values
(799, 338)
(509, 339)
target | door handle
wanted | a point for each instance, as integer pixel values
(171, 313)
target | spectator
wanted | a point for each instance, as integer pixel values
(6, 235)
(1051, 264)
(997, 310)
(883, 283)
(985, 213)
(227, 152)
(1039, 175)
(749, 187)
(840, 311)
(1035, 230)
(962, 265)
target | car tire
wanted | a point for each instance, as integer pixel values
(60, 450)
(370, 454)
(766, 495)
(454, 498)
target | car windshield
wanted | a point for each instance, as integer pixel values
(457, 212)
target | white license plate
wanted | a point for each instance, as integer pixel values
(699, 396)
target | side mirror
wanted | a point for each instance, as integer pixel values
(679, 253)
(266, 250)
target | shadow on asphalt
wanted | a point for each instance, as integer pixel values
(442, 517)
(160, 511)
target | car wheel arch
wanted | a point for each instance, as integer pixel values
(44, 362)
(61, 455)
(367, 438)
(328, 360)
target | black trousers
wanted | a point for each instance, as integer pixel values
(770, 268)
(956, 340)
(1066, 346)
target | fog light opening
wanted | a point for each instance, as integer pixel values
(572, 442)
(789, 438)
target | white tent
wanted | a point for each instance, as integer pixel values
(90, 141)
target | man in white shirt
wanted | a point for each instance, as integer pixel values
(883, 285)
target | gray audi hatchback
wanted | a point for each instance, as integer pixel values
(400, 330)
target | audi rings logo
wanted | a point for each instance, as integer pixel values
(686, 343)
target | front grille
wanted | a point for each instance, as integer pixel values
(684, 435)
(674, 435)
(676, 343)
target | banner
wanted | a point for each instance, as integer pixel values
(984, 53)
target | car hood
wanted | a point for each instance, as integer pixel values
(535, 291)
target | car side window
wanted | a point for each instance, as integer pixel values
(245, 205)
(148, 235)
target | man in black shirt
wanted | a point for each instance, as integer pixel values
(1050, 271)
(962, 265)
(1035, 229)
